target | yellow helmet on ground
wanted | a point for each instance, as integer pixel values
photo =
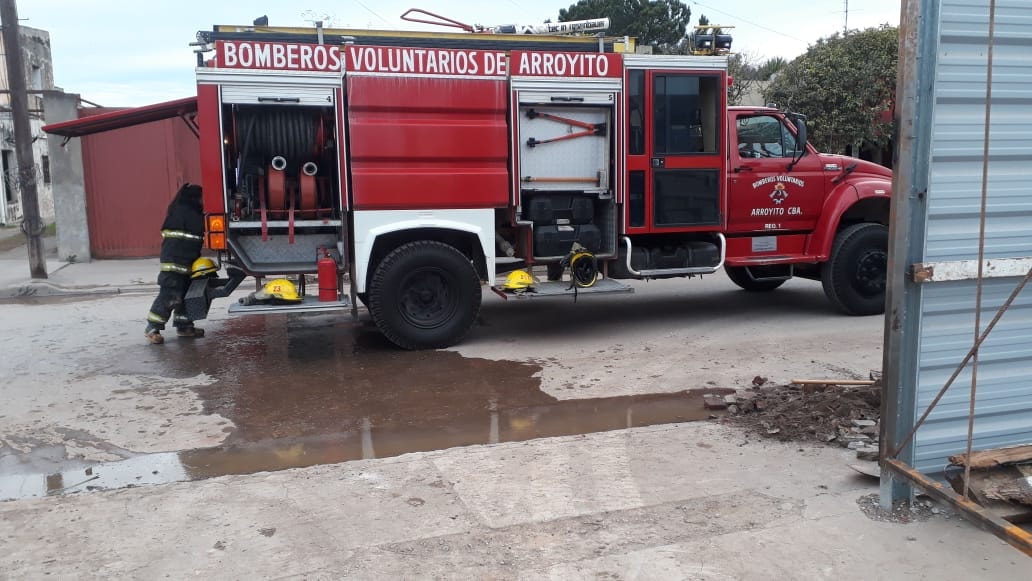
(518, 280)
(203, 266)
(279, 289)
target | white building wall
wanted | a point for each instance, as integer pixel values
(39, 76)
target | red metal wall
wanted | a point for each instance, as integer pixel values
(421, 142)
(130, 175)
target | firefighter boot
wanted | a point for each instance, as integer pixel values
(153, 335)
(190, 332)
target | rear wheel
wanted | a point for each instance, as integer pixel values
(854, 277)
(424, 295)
(740, 275)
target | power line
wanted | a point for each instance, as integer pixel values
(370, 10)
(740, 19)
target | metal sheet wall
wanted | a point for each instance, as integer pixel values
(946, 160)
(131, 174)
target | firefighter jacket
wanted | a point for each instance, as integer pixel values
(182, 236)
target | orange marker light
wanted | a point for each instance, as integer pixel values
(216, 223)
(217, 241)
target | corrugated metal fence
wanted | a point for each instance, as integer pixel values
(963, 198)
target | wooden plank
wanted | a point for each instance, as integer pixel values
(997, 457)
(982, 480)
(833, 382)
(1017, 490)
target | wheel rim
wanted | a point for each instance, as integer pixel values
(870, 276)
(427, 297)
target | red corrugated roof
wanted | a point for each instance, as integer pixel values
(124, 118)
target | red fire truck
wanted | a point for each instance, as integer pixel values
(421, 168)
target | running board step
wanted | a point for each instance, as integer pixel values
(307, 305)
(562, 289)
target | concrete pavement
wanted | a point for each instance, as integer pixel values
(686, 501)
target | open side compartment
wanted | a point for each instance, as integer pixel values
(565, 174)
(281, 164)
(283, 181)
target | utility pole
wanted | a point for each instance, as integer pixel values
(25, 180)
(845, 25)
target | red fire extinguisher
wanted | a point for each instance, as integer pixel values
(327, 268)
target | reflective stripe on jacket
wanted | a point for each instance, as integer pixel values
(173, 267)
(180, 234)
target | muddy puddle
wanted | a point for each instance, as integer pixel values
(322, 392)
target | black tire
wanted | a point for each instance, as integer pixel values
(854, 277)
(740, 276)
(424, 295)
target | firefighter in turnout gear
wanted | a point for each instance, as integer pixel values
(182, 235)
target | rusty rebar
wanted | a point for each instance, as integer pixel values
(981, 239)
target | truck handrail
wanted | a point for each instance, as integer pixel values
(677, 271)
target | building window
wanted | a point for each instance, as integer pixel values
(7, 157)
(36, 78)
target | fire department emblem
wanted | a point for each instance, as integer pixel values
(779, 194)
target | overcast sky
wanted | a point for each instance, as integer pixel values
(129, 53)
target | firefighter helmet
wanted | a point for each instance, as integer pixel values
(203, 266)
(518, 280)
(279, 289)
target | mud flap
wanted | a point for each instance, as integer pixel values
(203, 290)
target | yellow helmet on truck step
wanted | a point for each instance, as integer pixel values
(279, 289)
(518, 280)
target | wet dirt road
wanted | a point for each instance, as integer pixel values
(86, 404)
(97, 409)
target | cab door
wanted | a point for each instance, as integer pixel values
(765, 194)
(674, 154)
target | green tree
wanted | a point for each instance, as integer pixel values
(743, 76)
(659, 23)
(845, 85)
(770, 67)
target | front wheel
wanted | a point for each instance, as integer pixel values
(424, 295)
(854, 278)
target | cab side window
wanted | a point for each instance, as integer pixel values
(685, 113)
(761, 136)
